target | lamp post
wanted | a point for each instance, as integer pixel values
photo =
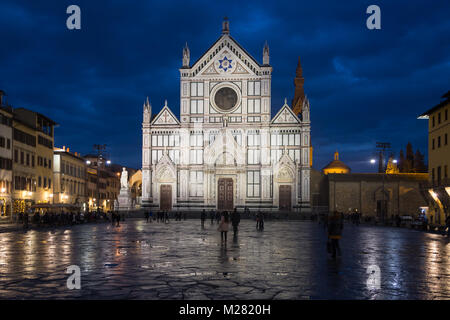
(381, 168)
(99, 148)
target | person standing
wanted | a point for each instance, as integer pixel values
(151, 215)
(203, 218)
(235, 219)
(146, 214)
(223, 226)
(335, 226)
(211, 215)
(166, 216)
(25, 220)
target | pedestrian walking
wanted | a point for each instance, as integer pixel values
(335, 226)
(25, 220)
(211, 215)
(223, 226)
(235, 220)
(203, 218)
(259, 221)
(166, 216)
(117, 219)
(146, 215)
(150, 215)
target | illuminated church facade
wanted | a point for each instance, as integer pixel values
(226, 151)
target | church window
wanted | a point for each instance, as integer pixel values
(285, 139)
(305, 156)
(174, 155)
(254, 119)
(156, 156)
(196, 140)
(253, 156)
(275, 155)
(196, 184)
(254, 106)
(291, 139)
(297, 139)
(253, 184)
(273, 139)
(254, 88)
(196, 156)
(253, 139)
(196, 106)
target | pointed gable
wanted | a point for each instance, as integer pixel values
(165, 117)
(216, 59)
(286, 116)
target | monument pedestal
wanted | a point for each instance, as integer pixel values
(124, 200)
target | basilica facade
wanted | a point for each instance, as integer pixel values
(226, 150)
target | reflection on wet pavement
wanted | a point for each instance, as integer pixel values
(180, 260)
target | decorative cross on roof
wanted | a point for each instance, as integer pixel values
(165, 115)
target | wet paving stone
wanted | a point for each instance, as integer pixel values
(180, 260)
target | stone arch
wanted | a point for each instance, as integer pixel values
(285, 174)
(165, 174)
(225, 159)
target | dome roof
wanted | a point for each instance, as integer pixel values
(336, 166)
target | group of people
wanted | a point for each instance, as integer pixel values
(224, 224)
(53, 219)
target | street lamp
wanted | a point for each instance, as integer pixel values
(384, 205)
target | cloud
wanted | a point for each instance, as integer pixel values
(363, 85)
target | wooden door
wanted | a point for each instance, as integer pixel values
(285, 198)
(225, 194)
(165, 202)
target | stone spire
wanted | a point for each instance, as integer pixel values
(225, 26)
(299, 95)
(186, 56)
(266, 56)
(147, 111)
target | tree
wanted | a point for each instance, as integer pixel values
(408, 165)
(419, 163)
(401, 161)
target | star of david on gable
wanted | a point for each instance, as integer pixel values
(225, 64)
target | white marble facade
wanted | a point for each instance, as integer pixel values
(226, 130)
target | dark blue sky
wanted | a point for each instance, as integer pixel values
(364, 86)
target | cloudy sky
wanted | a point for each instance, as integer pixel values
(364, 85)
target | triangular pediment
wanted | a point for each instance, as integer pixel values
(165, 117)
(225, 57)
(285, 116)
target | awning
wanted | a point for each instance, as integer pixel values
(55, 206)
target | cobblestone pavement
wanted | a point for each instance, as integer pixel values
(180, 260)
